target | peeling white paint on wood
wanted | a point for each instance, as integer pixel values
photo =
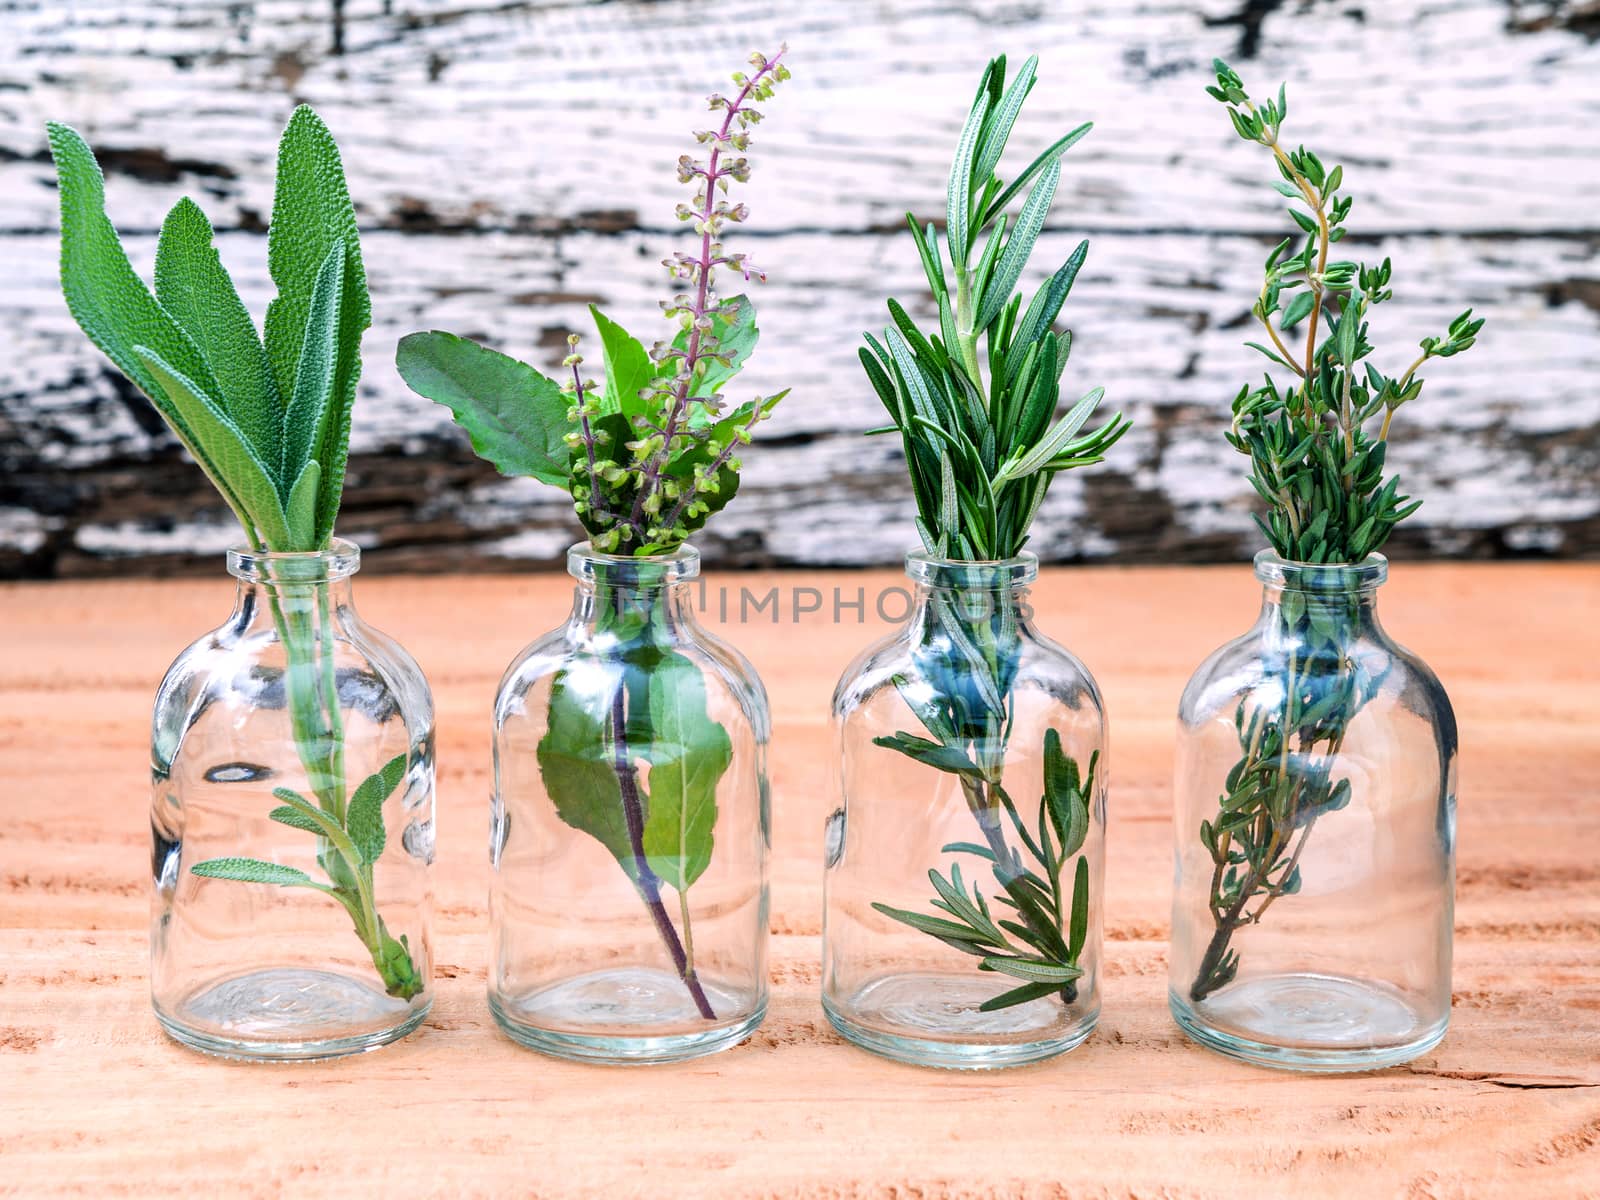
(511, 162)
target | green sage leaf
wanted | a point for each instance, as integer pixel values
(311, 214)
(195, 288)
(222, 448)
(364, 819)
(253, 870)
(313, 405)
(300, 514)
(288, 814)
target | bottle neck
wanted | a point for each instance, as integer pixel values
(933, 606)
(1326, 602)
(667, 609)
(298, 590)
(993, 595)
(629, 598)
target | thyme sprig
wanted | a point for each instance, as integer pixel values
(974, 403)
(1315, 460)
(1319, 465)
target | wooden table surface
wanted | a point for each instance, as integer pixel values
(97, 1101)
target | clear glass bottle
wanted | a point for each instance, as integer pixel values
(973, 748)
(1316, 778)
(630, 826)
(292, 821)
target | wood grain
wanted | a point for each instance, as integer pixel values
(98, 1103)
(511, 163)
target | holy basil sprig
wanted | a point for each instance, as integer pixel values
(661, 830)
(268, 420)
(648, 454)
(974, 400)
(1319, 466)
(975, 405)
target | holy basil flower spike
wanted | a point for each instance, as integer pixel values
(649, 451)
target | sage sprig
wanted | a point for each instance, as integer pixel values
(648, 453)
(1317, 445)
(268, 420)
(974, 403)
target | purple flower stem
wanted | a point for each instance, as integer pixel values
(649, 883)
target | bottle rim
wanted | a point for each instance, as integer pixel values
(930, 570)
(1326, 578)
(340, 560)
(588, 565)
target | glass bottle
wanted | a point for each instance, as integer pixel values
(964, 862)
(1316, 810)
(630, 826)
(292, 821)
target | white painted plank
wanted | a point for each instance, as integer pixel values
(513, 161)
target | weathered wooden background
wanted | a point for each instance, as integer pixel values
(513, 161)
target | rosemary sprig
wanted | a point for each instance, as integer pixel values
(1319, 466)
(974, 403)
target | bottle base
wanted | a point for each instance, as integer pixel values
(1310, 1022)
(591, 1018)
(890, 1016)
(289, 1015)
